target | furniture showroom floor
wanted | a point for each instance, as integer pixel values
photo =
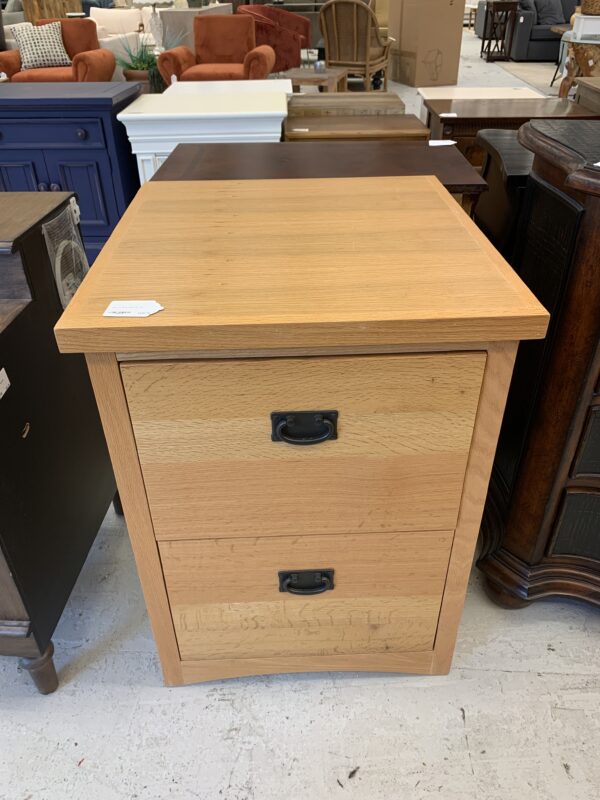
(518, 716)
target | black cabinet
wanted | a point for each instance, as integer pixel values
(56, 481)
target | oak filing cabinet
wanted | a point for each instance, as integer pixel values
(303, 437)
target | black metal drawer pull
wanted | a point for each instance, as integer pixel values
(306, 581)
(303, 427)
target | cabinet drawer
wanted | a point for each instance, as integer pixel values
(57, 133)
(226, 603)
(203, 432)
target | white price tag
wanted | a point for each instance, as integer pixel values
(590, 62)
(4, 383)
(449, 114)
(441, 142)
(597, 163)
(301, 130)
(521, 19)
(132, 308)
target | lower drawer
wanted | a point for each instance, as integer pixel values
(226, 602)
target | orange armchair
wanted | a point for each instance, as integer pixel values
(285, 32)
(90, 62)
(225, 51)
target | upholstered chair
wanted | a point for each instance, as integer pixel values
(285, 32)
(90, 62)
(225, 50)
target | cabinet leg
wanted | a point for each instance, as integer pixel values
(501, 597)
(42, 671)
(117, 505)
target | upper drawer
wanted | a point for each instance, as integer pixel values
(48, 134)
(203, 431)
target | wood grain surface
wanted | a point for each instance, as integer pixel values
(226, 603)
(250, 264)
(203, 434)
(382, 126)
(108, 388)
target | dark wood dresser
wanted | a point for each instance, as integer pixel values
(541, 526)
(56, 481)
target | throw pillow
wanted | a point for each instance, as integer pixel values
(529, 5)
(550, 12)
(40, 45)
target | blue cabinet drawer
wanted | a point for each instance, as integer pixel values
(29, 133)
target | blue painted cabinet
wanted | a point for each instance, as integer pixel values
(65, 137)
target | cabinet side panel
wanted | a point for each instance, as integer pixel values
(110, 397)
(496, 381)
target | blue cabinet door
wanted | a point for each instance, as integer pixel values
(88, 174)
(22, 170)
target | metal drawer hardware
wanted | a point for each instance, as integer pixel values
(81, 133)
(303, 427)
(306, 581)
(42, 187)
(55, 187)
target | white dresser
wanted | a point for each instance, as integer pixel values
(156, 124)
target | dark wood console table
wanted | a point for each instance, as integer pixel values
(541, 526)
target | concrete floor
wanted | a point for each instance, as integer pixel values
(518, 716)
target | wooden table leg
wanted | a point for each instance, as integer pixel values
(572, 72)
(42, 671)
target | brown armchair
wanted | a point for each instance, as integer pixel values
(285, 32)
(352, 40)
(90, 62)
(225, 51)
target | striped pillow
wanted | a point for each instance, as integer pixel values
(40, 45)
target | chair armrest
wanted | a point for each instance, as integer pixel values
(259, 62)
(524, 21)
(294, 22)
(94, 66)
(175, 62)
(10, 62)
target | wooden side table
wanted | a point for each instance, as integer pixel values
(498, 29)
(583, 59)
(332, 79)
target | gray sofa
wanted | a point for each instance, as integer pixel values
(532, 41)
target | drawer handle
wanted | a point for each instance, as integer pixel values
(42, 187)
(81, 133)
(55, 187)
(303, 427)
(306, 581)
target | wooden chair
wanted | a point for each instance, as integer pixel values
(353, 40)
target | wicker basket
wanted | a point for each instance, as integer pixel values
(590, 7)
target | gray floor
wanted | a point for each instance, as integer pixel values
(518, 716)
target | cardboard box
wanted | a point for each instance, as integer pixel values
(428, 36)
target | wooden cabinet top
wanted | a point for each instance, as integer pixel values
(298, 264)
(519, 108)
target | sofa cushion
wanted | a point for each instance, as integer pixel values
(117, 20)
(541, 33)
(46, 75)
(549, 12)
(214, 72)
(13, 5)
(41, 46)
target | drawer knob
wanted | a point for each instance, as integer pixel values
(303, 427)
(42, 187)
(306, 581)
(55, 187)
(81, 133)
